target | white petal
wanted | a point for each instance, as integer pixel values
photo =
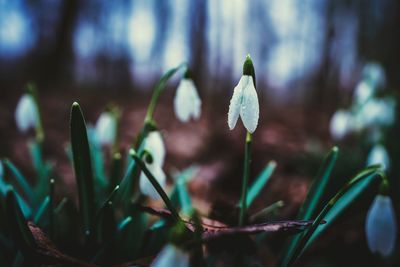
(380, 226)
(171, 256)
(379, 155)
(146, 187)
(341, 124)
(155, 145)
(106, 128)
(249, 109)
(363, 92)
(26, 114)
(187, 102)
(236, 100)
(378, 112)
(375, 74)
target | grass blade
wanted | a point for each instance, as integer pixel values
(19, 228)
(261, 180)
(21, 180)
(368, 176)
(83, 167)
(41, 211)
(313, 198)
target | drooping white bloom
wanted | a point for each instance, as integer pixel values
(187, 103)
(244, 103)
(106, 128)
(379, 155)
(146, 187)
(377, 112)
(363, 92)
(374, 73)
(380, 226)
(171, 256)
(341, 124)
(26, 113)
(155, 146)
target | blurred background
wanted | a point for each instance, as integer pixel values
(308, 55)
(298, 48)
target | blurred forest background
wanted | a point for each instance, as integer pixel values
(302, 50)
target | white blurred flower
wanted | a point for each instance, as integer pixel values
(106, 128)
(244, 102)
(187, 103)
(341, 124)
(171, 256)
(26, 113)
(377, 112)
(379, 155)
(155, 146)
(146, 187)
(380, 226)
(363, 92)
(374, 73)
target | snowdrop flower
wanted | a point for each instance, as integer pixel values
(106, 128)
(187, 103)
(155, 146)
(374, 73)
(379, 155)
(380, 226)
(144, 184)
(244, 102)
(26, 114)
(363, 92)
(171, 256)
(341, 124)
(377, 112)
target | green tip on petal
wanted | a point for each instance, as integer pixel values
(384, 187)
(187, 74)
(248, 68)
(75, 104)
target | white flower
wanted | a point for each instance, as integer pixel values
(363, 92)
(377, 112)
(187, 103)
(341, 124)
(146, 187)
(379, 155)
(106, 128)
(171, 256)
(26, 114)
(244, 102)
(375, 74)
(380, 226)
(155, 146)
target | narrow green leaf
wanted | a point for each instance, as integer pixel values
(124, 223)
(265, 214)
(184, 198)
(115, 171)
(109, 200)
(318, 187)
(20, 180)
(43, 208)
(259, 183)
(313, 198)
(82, 167)
(97, 158)
(354, 186)
(19, 228)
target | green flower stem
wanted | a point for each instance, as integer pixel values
(159, 89)
(156, 185)
(246, 174)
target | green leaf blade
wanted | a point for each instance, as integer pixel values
(82, 167)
